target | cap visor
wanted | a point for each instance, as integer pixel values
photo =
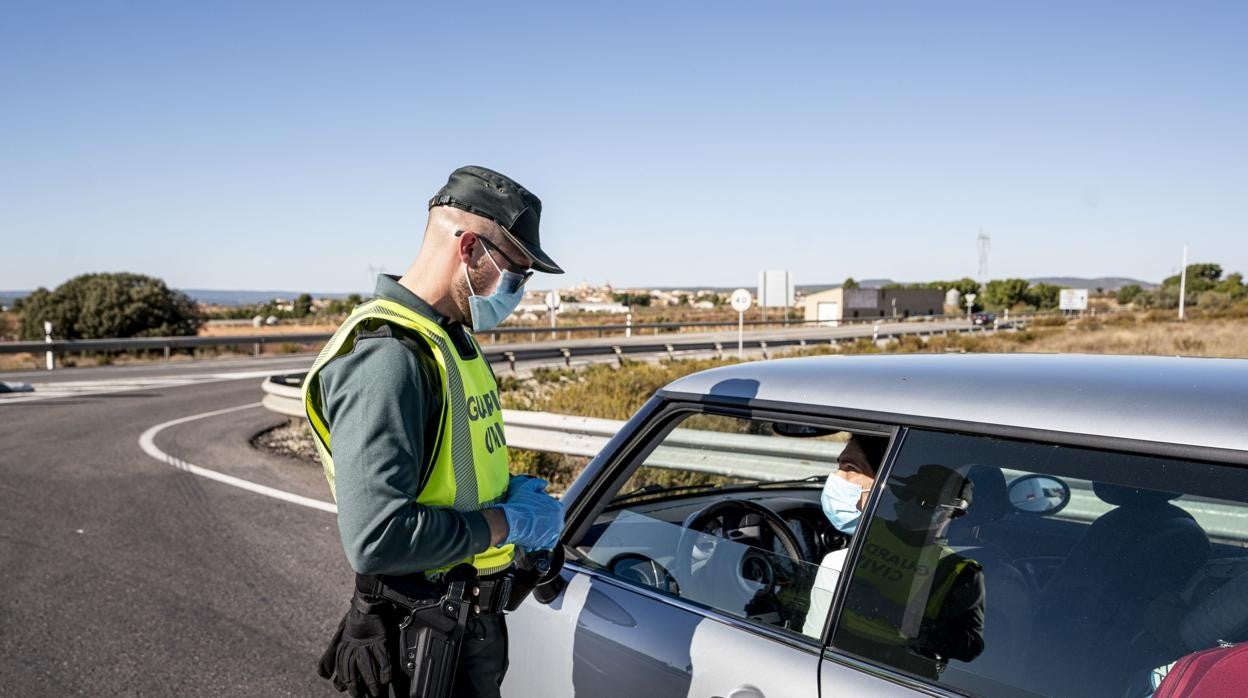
(541, 261)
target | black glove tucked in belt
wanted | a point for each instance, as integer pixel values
(357, 660)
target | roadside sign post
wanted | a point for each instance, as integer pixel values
(47, 338)
(741, 302)
(552, 306)
(1183, 284)
(970, 304)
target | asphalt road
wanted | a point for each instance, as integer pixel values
(123, 575)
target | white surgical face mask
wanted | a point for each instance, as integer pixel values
(840, 503)
(488, 311)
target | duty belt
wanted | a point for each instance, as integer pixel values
(409, 592)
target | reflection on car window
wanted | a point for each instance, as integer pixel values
(1009, 568)
(724, 512)
(735, 578)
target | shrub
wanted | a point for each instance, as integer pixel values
(95, 306)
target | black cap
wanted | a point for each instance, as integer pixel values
(498, 197)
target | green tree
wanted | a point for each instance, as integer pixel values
(1200, 277)
(1044, 296)
(1129, 293)
(631, 299)
(1233, 286)
(302, 307)
(964, 285)
(95, 306)
(1000, 294)
(850, 283)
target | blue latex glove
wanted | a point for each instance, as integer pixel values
(534, 518)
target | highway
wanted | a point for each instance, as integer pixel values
(127, 569)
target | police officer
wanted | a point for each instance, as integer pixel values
(409, 428)
(913, 601)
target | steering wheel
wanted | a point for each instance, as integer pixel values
(644, 569)
(724, 519)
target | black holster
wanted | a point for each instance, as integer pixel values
(431, 634)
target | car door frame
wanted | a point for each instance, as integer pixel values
(626, 452)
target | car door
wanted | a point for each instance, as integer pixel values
(639, 609)
(1142, 561)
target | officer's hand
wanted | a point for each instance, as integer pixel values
(356, 658)
(534, 518)
(518, 481)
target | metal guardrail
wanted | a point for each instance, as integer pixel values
(168, 344)
(736, 455)
(558, 350)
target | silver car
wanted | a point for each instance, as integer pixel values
(1039, 525)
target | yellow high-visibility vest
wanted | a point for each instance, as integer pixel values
(893, 570)
(469, 470)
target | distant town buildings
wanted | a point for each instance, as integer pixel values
(839, 304)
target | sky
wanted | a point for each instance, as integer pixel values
(294, 145)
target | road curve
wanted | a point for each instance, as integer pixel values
(125, 575)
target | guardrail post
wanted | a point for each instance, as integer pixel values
(51, 356)
(619, 354)
(166, 352)
(628, 325)
(875, 332)
(567, 357)
(763, 345)
(719, 351)
(671, 356)
(511, 359)
(801, 343)
(255, 349)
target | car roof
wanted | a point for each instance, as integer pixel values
(1172, 400)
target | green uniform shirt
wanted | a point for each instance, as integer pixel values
(382, 402)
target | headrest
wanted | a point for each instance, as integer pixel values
(992, 500)
(1123, 496)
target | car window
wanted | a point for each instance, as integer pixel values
(1010, 568)
(724, 513)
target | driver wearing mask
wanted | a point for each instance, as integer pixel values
(843, 498)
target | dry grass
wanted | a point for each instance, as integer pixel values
(1200, 338)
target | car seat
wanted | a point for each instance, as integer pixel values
(1009, 598)
(1098, 599)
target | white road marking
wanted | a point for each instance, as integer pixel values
(148, 443)
(48, 391)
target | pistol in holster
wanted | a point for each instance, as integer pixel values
(430, 636)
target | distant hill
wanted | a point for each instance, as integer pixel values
(1109, 283)
(212, 297)
(216, 297)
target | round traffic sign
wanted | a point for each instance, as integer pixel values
(741, 300)
(552, 300)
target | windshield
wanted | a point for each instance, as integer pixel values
(706, 452)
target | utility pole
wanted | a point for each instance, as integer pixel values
(1183, 284)
(985, 244)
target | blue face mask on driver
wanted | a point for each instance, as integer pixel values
(489, 311)
(840, 503)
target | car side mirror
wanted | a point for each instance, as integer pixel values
(1041, 495)
(551, 583)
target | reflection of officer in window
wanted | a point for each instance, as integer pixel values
(913, 602)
